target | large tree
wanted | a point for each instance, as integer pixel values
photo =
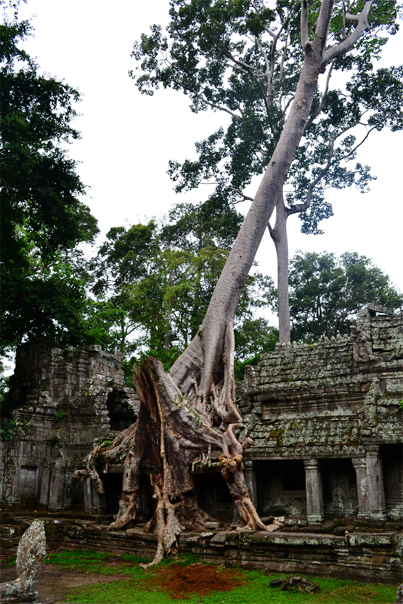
(191, 409)
(42, 216)
(242, 58)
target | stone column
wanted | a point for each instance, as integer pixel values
(360, 465)
(314, 492)
(44, 493)
(250, 479)
(88, 495)
(56, 489)
(93, 501)
(376, 491)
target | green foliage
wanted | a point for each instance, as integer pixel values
(4, 383)
(327, 292)
(252, 338)
(154, 282)
(10, 429)
(60, 415)
(43, 220)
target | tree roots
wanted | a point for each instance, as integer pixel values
(173, 432)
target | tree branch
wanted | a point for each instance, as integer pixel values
(304, 206)
(204, 100)
(304, 25)
(245, 197)
(249, 70)
(323, 22)
(346, 45)
(319, 109)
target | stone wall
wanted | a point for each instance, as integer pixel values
(365, 556)
(326, 420)
(327, 423)
(65, 401)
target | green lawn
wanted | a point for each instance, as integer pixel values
(135, 588)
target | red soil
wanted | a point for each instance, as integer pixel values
(196, 579)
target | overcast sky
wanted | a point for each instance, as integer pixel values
(128, 138)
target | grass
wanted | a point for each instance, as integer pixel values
(134, 587)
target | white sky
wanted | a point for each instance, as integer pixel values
(128, 138)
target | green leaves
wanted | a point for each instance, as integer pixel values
(154, 282)
(244, 58)
(43, 219)
(327, 292)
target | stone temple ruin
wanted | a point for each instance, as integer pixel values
(327, 460)
(65, 400)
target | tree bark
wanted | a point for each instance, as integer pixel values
(280, 238)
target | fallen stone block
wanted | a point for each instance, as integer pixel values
(31, 554)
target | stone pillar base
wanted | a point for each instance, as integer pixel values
(315, 518)
(250, 479)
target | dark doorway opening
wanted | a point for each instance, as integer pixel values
(113, 491)
(281, 487)
(392, 466)
(28, 483)
(121, 415)
(77, 495)
(339, 487)
(214, 496)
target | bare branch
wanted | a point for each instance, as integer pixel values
(245, 197)
(264, 54)
(344, 20)
(288, 103)
(304, 206)
(271, 231)
(283, 59)
(346, 45)
(219, 107)
(204, 100)
(251, 72)
(270, 32)
(323, 22)
(351, 17)
(270, 66)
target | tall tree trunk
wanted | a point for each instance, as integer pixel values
(280, 238)
(201, 362)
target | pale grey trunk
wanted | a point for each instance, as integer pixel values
(280, 238)
(201, 363)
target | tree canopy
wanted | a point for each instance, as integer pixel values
(42, 216)
(326, 292)
(243, 59)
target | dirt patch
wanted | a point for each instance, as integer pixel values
(56, 581)
(180, 582)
